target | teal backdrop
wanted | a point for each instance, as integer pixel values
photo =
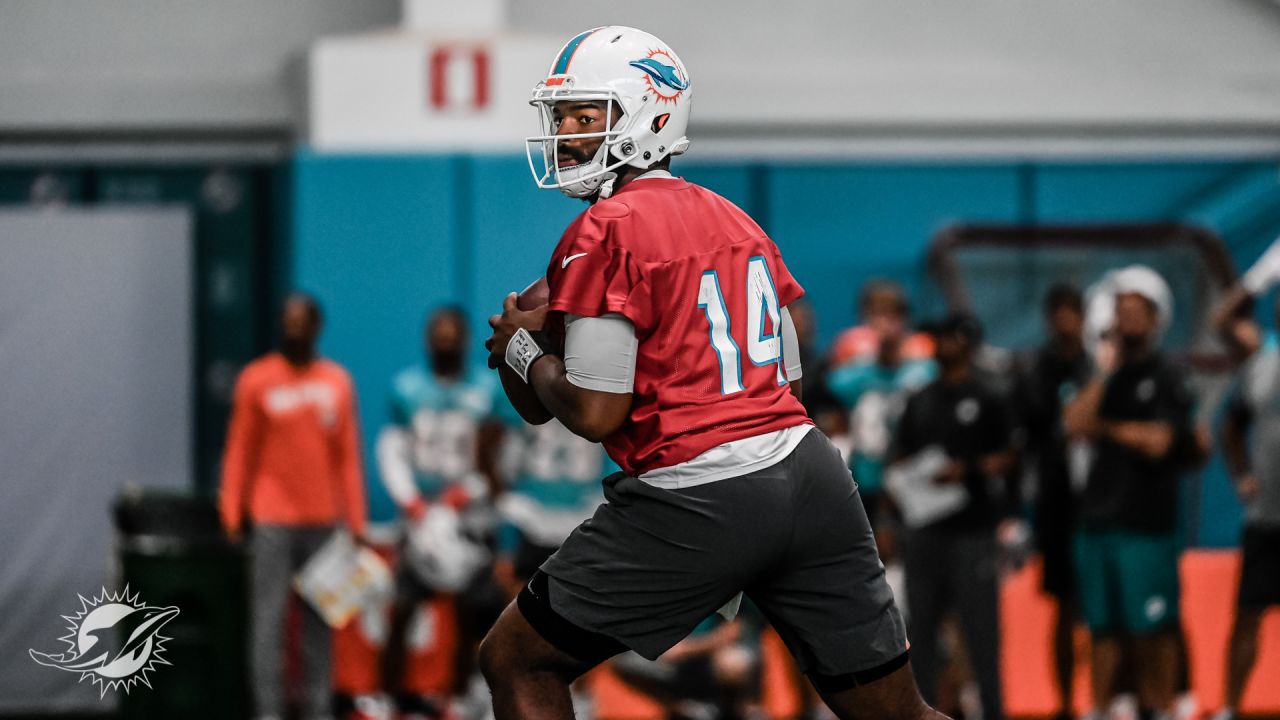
(382, 239)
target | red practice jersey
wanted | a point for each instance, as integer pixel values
(704, 286)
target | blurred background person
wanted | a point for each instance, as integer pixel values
(1054, 374)
(823, 406)
(883, 364)
(951, 557)
(876, 299)
(291, 470)
(1132, 411)
(1251, 446)
(556, 484)
(440, 445)
(713, 674)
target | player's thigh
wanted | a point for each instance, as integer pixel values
(1147, 574)
(513, 648)
(652, 563)
(829, 598)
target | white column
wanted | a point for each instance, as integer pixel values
(451, 16)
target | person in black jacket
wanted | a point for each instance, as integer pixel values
(1053, 375)
(951, 553)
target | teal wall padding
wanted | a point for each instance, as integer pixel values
(383, 238)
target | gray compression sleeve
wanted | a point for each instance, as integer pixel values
(600, 352)
(790, 347)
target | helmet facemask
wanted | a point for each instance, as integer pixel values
(597, 173)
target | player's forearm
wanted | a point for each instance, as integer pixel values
(589, 414)
(1235, 327)
(240, 456)
(353, 492)
(998, 464)
(1228, 309)
(1080, 415)
(1153, 439)
(391, 451)
(355, 511)
(523, 398)
(235, 471)
(229, 501)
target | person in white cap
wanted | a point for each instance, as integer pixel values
(1135, 412)
(1251, 447)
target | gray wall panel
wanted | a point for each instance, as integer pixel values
(95, 361)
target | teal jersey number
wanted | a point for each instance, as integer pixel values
(762, 302)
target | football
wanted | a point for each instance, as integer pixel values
(535, 296)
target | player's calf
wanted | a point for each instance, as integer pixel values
(891, 697)
(528, 677)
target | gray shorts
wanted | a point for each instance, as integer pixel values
(653, 563)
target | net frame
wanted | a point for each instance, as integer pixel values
(943, 264)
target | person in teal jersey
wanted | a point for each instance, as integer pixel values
(440, 445)
(874, 386)
(555, 485)
(445, 424)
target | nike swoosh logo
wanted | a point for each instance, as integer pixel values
(565, 262)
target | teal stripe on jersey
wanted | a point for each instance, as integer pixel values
(562, 62)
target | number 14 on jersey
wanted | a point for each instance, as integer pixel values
(762, 301)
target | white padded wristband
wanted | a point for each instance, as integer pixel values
(521, 352)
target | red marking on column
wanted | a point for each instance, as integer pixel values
(436, 90)
(480, 60)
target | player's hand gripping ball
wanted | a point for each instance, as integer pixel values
(527, 309)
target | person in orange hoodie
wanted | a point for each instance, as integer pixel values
(291, 471)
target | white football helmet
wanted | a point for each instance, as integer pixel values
(1100, 300)
(440, 554)
(632, 68)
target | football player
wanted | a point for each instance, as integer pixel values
(679, 356)
(440, 446)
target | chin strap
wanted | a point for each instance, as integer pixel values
(606, 187)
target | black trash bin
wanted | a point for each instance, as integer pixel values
(172, 552)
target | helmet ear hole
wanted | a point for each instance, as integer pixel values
(660, 122)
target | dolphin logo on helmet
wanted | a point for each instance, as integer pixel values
(661, 74)
(647, 111)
